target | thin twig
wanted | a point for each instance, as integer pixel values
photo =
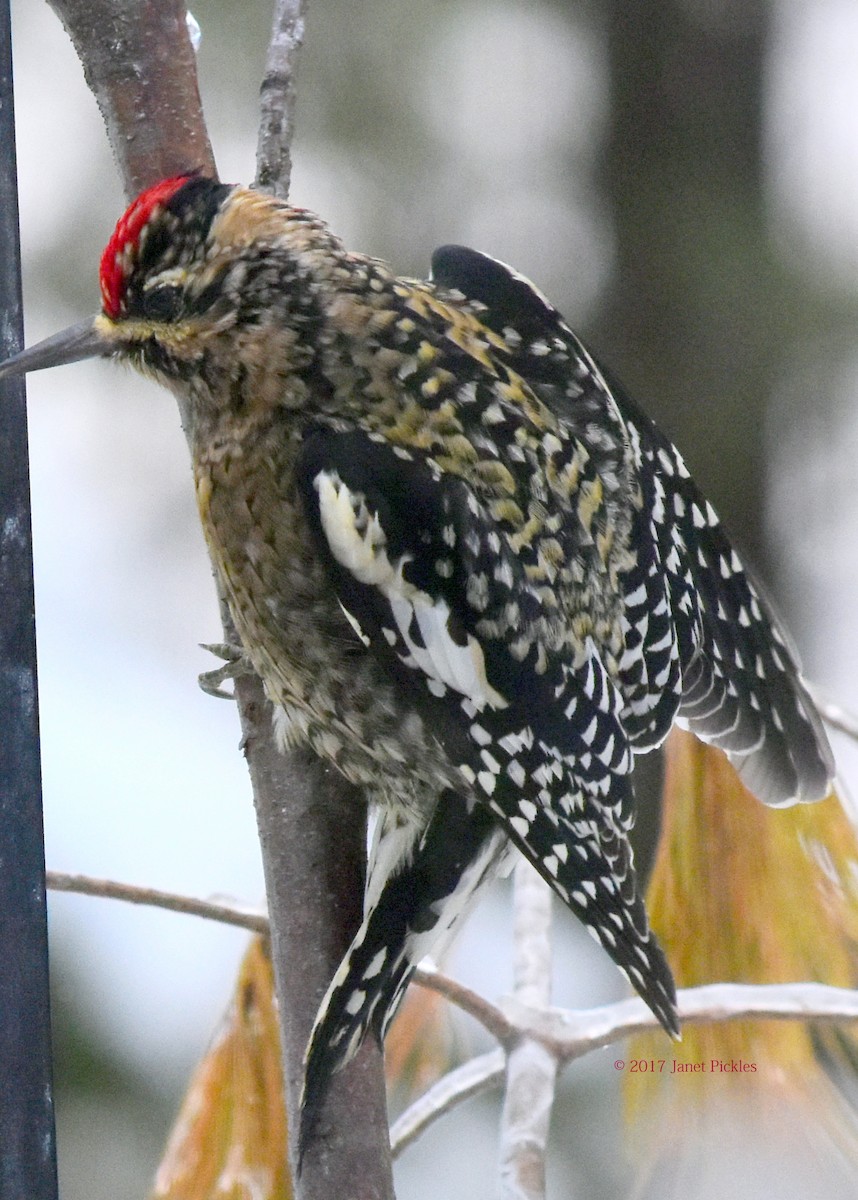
(277, 99)
(832, 712)
(531, 1069)
(473, 1077)
(779, 1001)
(567, 1032)
(489, 1015)
(567, 1035)
(232, 913)
(532, 959)
(212, 910)
(571, 1034)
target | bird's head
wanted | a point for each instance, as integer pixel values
(190, 261)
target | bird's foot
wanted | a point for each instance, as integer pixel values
(234, 666)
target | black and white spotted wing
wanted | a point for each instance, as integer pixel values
(538, 740)
(702, 643)
(742, 688)
(545, 352)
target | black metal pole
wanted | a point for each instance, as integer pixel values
(27, 1141)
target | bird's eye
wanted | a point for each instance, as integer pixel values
(162, 303)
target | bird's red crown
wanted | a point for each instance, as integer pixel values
(118, 254)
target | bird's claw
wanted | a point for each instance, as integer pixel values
(235, 665)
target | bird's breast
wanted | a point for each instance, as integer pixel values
(328, 689)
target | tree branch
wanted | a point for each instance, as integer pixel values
(314, 862)
(489, 1015)
(569, 1034)
(473, 1077)
(277, 99)
(313, 855)
(139, 63)
(531, 1069)
(562, 1034)
(225, 912)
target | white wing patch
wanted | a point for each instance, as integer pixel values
(356, 538)
(358, 543)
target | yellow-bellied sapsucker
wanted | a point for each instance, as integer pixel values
(471, 573)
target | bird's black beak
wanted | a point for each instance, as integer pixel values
(71, 345)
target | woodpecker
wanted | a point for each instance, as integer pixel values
(471, 573)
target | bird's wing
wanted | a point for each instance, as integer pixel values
(702, 642)
(742, 688)
(536, 734)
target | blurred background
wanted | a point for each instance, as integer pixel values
(681, 178)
